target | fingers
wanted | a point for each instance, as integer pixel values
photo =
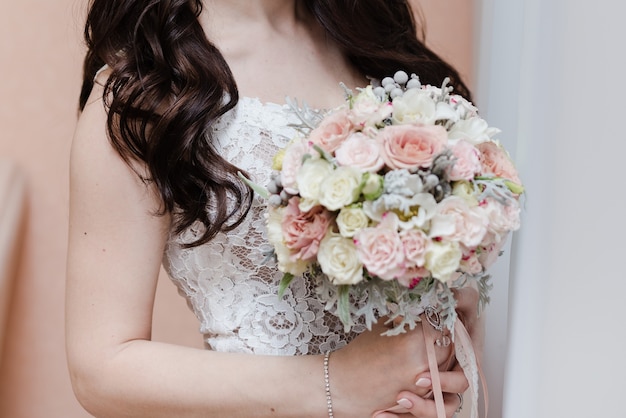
(416, 406)
(422, 405)
(453, 381)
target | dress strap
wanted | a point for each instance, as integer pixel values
(100, 71)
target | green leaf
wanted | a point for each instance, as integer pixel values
(284, 284)
(261, 191)
(514, 187)
(343, 306)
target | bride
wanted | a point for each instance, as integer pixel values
(178, 96)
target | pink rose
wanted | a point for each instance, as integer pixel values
(360, 151)
(412, 146)
(332, 131)
(415, 243)
(380, 248)
(466, 163)
(496, 161)
(303, 231)
(455, 220)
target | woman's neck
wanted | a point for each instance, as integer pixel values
(222, 17)
(276, 48)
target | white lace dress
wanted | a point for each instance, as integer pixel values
(229, 283)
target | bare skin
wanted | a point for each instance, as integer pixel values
(116, 246)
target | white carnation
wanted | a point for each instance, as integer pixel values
(414, 106)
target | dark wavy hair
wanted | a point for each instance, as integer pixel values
(168, 84)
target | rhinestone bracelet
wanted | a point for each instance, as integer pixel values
(329, 400)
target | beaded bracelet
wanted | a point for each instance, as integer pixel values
(329, 400)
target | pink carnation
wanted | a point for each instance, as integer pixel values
(470, 264)
(415, 243)
(457, 221)
(292, 161)
(466, 163)
(412, 275)
(380, 248)
(303, 231)
(502, 218)
(489, 255)
(412, 146)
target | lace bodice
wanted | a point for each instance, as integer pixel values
(229, 283)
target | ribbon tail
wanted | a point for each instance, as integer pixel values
(466, 356)
(430, 336)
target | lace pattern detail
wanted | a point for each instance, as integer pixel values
(230, 283)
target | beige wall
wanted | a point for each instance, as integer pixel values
(40, 53)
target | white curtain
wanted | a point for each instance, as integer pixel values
(551, 76)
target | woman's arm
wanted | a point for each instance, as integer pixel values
(115, 248)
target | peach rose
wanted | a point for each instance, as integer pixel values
(332, 131)
(303, 231)
(412, 146)
(495, 160)
(360, 151)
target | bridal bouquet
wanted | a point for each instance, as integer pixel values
(391, 201)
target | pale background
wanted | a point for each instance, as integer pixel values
(40, 70)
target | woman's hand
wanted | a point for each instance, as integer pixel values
(410, 403)
(413, 405)
(368, 374)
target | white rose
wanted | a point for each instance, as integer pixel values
(309, 177)
(443, 259)
(340, 188)
(414, 106)
(338, 259)
(351, 220)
